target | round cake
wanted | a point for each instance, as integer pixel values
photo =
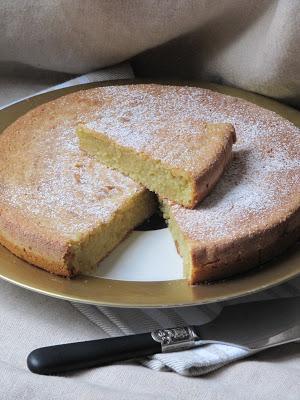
(49, 189)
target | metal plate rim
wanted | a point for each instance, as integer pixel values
(158, 294)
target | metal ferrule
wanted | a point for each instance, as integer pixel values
(175, 339)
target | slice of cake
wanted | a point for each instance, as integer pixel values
(59, 209)
(137, 132)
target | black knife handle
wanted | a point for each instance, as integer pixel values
(67, 357)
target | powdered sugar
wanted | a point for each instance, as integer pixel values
(47, 179)
(151, 119)
(264, 177)
(262, 184)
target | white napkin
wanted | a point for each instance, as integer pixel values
(117, 322)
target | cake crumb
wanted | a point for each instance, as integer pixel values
(77, 177)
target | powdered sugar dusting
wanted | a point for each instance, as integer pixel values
(262, 184)
(150, 119)
(45, 177)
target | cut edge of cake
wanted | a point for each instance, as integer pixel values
(70, 257)
(176, 184)
(209, 262)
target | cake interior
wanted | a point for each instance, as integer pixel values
(172, 183)
(182, 245)
(88, 249)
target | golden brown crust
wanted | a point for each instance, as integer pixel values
(224, 258)
(220, 269)
(27, 241)
(36, 259)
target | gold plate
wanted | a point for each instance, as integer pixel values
(100, 291)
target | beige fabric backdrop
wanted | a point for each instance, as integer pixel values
(250, 44)
(246, 43)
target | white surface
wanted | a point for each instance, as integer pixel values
(143, 256)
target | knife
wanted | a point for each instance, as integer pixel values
(254, 326)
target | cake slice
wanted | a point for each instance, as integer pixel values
(59, 209)
(137, 132)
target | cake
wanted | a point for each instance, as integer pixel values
(59, 209)
(64, 211)
(177, 156)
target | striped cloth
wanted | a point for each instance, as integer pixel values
(118, 322)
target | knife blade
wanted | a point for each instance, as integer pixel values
(255, 325)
